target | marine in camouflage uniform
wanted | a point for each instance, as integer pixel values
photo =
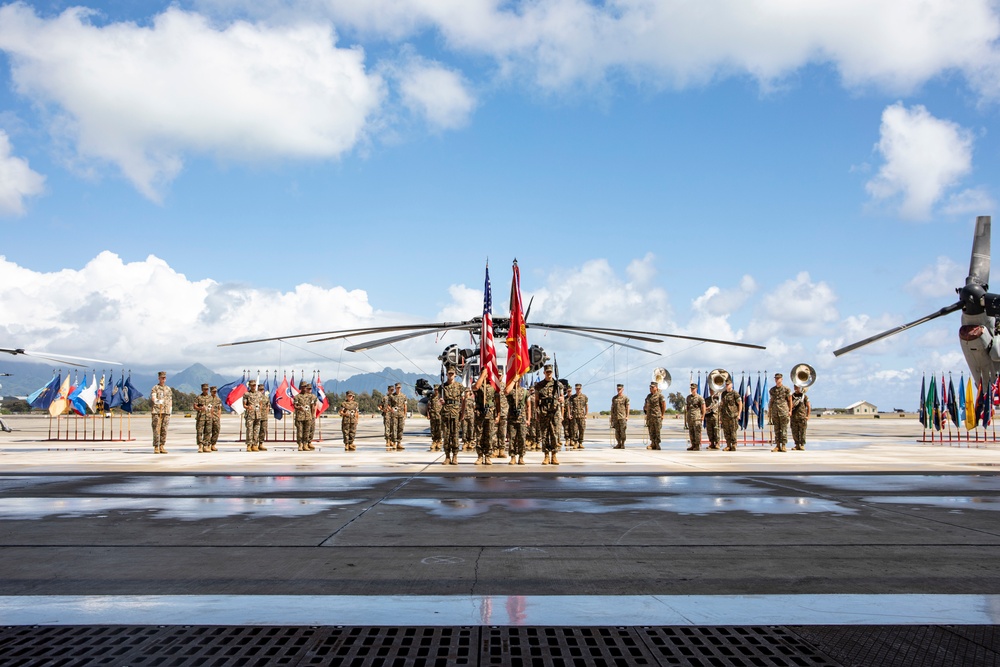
(252, 418)
(780, 408)
(518, 417)
(694, 413)
(349, 412)
(452, 395)
(400, 406)
(468, 420)
(385, 407)
(531, 433)
(548, 397)
(434, 417)
(712, 419)
(564, 423)
(653, 407)
(619, 416)
(202, 420)
(800, 417)
(214, 418)
(578, 410)
(500, 442)
(265, 414)
(161, 401)
(305, 417)
(730, 407)
(486, 418)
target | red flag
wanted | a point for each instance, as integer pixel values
(487, 352)
(518, 357)
(281, 398)
(322, 402)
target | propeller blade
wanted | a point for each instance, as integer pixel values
(979, 263)
(395, 339)
(885, 334)
(577, 332)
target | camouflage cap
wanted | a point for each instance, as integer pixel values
(204, 385)
(778, 375)
(252, 383)
(620, 386)
(304, 384)
(213, 388)
(350, 393)
(578, 386)
(161, 374)
(547, 367)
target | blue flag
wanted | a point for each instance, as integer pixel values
(764, 400)
(42, 398)
(225, 390)
(129, 394)
(923, 402)
(744, 396)
(961, 400)
(756, 400)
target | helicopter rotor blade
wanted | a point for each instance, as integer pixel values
(979, 262)
(569, 328)
(578, 332)
(885, 334)
(633, 333)
(428, 328)
(58, 358)
(360, 347)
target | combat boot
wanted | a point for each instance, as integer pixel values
(201, 449)
(447, 460)
(545, 461)
(487, 461)
(253, 448)
(520, 460)
(214, 448)
(454, 459)
(301, 448)
(163, 450)
(310, 447)
(512, 461)
(694, 448)
(799, 448)
(353, 448)
(554, 460)
(249, 448)
(400, 447)
(479, 460)
(261, 447)
(156, 450)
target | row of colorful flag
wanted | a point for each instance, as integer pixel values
(970, 406)
(61, 396)
(281, 395)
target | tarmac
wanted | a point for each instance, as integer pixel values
(868, 547)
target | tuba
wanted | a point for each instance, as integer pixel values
(717, 379)
(803, 375)
(661, 376)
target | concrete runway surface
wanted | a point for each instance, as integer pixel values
(867, 527)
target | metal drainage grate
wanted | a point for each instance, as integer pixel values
(558, 647)
(738, 646)
(419, 647)
(907, 645)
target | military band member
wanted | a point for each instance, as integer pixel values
(694, 414)
(578, 410)
(252, 416)
(202, 420)
(400, 406)
(518, 418)
(161, 401)
(712, 419)
(780, 407)
(654, 407)
(349, 412)
(452, 395)
(800, 417)
(730, 406)
(434, 417)
(500, 441)
(385, 407)
(619, 416)
(305, 417)
(548, 397)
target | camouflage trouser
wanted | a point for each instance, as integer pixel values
(799, 431)
(654, 425)
(263, 430)
(397, 429)
(729, 430)
(548, 425)
(468, 431)
(435, 429)
(449, 434)
(255, 431)
(501, 435)
(780, 423)
(160, 422)
(387, 425)
(304, 429)
(202, 430)
(516, 440)
(487, 433)
(620, 427)
(214, 426)
(348, 427)
(694, 432)
(578, 426)
(712, 427)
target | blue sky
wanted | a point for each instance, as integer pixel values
(798, 175)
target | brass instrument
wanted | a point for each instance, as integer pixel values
(803, 375)
(717, 379)
(661, 376)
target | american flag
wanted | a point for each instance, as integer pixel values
(487, 352)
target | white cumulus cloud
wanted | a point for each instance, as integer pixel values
(141, 97)
(923, 158)
(436, 93)
(939, 280)
(17, 180)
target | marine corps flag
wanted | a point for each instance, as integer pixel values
(518, 357)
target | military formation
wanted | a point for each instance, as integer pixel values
(496, 423)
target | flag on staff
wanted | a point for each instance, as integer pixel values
(129, 394)
(322, 402)
(118, 393)
(763, 404)
(745, 397)
(42, 398)
(960, 417)
(952, 400)
(281, 402)
(518, 355)
(944, 403)
(980, 400)
(293, 388)
(487, 352)
(988, 405)
(935, 404)
(61, 401)
(970, 406)
(231, 394)
(85, 396)
(756, 400)
(923, 402)
(929, 403)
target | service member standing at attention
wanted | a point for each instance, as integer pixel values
(161, 401)
(349, 421)
(800, 417)
(712, 419)
(486, 418)
(578, 411)
(385, 407)
(202, 421)
(305, 417)
(400, 406)
(694, 413)
(468, 420)
(214, 418)
(730, 406)
(263, 412)
(500, 441)
(452, 394)
(251, 416)
(518, 417)
(780, 408)
(434, 417)
(548, 396)
(619, 416)
(653, 408)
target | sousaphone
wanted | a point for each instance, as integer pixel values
(717, 379)
(661, 376)
(803, 375)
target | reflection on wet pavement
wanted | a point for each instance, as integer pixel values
(183, 509)
(873, 483)
(669, 484)
(954, 503)
(233, 484)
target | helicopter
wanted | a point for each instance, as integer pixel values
(979, 334)
(464, 360)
